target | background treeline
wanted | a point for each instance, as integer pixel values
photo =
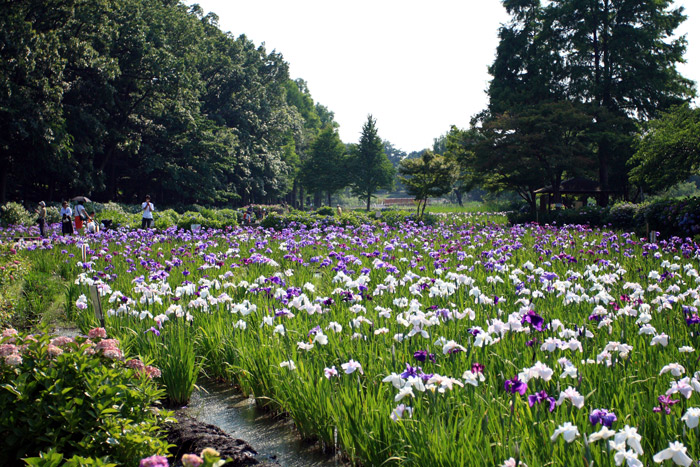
(118, 98)
(583, 89)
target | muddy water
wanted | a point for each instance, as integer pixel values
(275, 439)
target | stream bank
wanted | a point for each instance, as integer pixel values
(274, 438)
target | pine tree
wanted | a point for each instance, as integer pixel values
(370, 168)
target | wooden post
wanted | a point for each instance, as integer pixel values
(97, 305)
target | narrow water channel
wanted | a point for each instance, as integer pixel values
(274, 439)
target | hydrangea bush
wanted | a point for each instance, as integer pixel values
(66, 397)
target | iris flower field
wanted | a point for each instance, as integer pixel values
(462, 343)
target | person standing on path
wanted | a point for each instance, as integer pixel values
(41, 211)
(66, 221)
(81, 216)
(147, 213)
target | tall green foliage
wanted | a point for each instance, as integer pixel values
(615, 58)
(114, 99)
(370, 169)
(33, 140)
(669, 151)
(430, 175)
(326, 167)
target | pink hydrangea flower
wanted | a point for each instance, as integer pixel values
(114, 354)
(192, 460)
(54, 351)
(154, 461)
(97, 333)
(152, 372)
(61, 341)
(8, 349)
(135, 364)
(13, 360)
(107, 344)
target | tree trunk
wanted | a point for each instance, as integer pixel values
(329, 198)
(369, 199)
(458, 194)
(556, 193)
(3, 186)
(603, 161)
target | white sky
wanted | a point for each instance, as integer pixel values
(416, 66)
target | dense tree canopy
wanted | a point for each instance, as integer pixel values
(117, 98)
(669, 151)
(325, 170)
(370, 169)
(613, 60)
(429, 176)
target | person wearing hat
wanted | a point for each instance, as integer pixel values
(147, 213)
(41, 211)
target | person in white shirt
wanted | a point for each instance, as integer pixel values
(81, 216)
(147, 213)
(66, 221)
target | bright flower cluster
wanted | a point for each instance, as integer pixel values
(465, 335)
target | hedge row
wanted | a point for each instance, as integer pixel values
(669, 217)
(328, 216)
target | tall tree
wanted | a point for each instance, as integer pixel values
(429, 176)
(33, 139)
(669, 150)
(326, 167)
(459, 149)
(369, 167)
(620, 58)
(534, 146)
(617, 57)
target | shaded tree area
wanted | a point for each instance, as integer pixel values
(571, 82)
(114, 99)
(369, 167)
(668, 151)
(429, 176)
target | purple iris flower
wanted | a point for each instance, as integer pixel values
(411, 371)
(420, 355)
(515, 385)
(533, 318)
(540, 397)
(665, 404)
(602, 416)
(550, 276)
(694, 319)
(314, 331)
(154, 331)
(477, 368)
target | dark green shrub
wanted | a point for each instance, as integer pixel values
(165, 219)
(190, 217)
(14, 214)
(325, 211)
(52, 215)
(120, 218)
(70, 396)
(622, 215)
(273, 221)
(227, 217)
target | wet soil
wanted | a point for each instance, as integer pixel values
(192, 436)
